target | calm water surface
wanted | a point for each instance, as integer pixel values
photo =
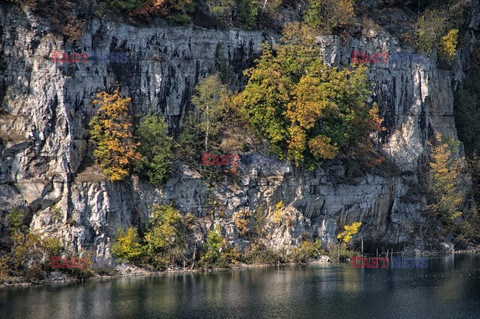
(448, 288)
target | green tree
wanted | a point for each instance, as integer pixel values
(15, 220)
(330, 14)
(221, 8)
(127, 244)
(304, 107)
(211, 98)
(431, 25)
(155, 149)
(124, 5)
(111, 130)
(190, 139)
(248, 12)
(217, 251)
(213, 244)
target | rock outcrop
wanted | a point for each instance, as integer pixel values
(45, 110)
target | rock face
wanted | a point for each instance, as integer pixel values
(45, 110)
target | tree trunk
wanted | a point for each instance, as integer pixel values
(206, 134)
(264, 5)
(362, 246)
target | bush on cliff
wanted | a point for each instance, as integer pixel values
(164, 240)
(166, 8)
(431, 26)
(330, 15)
(124, 5)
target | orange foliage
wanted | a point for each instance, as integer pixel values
(112, 131)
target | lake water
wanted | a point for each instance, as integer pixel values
(448, 288)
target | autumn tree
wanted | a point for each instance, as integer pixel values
(448, 45)
(111, 130)
(127, 244)
(304, 107)
(349, 231)
(447, 180)
(211, 98)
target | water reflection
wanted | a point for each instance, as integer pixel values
(448, 288)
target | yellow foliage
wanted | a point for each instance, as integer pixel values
(376, 123)
(279, 205)
(281, 215)
(127, 244)
(232, 255)
(349, 232)
(449, 44)
(111, 129)
(320, 146)
(190, 220)
(296, 144)
(242, 219)
(446, 179)
(278, 212)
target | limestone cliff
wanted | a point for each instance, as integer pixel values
(45, 110)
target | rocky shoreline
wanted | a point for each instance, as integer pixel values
(131, 270)
(124, 270)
